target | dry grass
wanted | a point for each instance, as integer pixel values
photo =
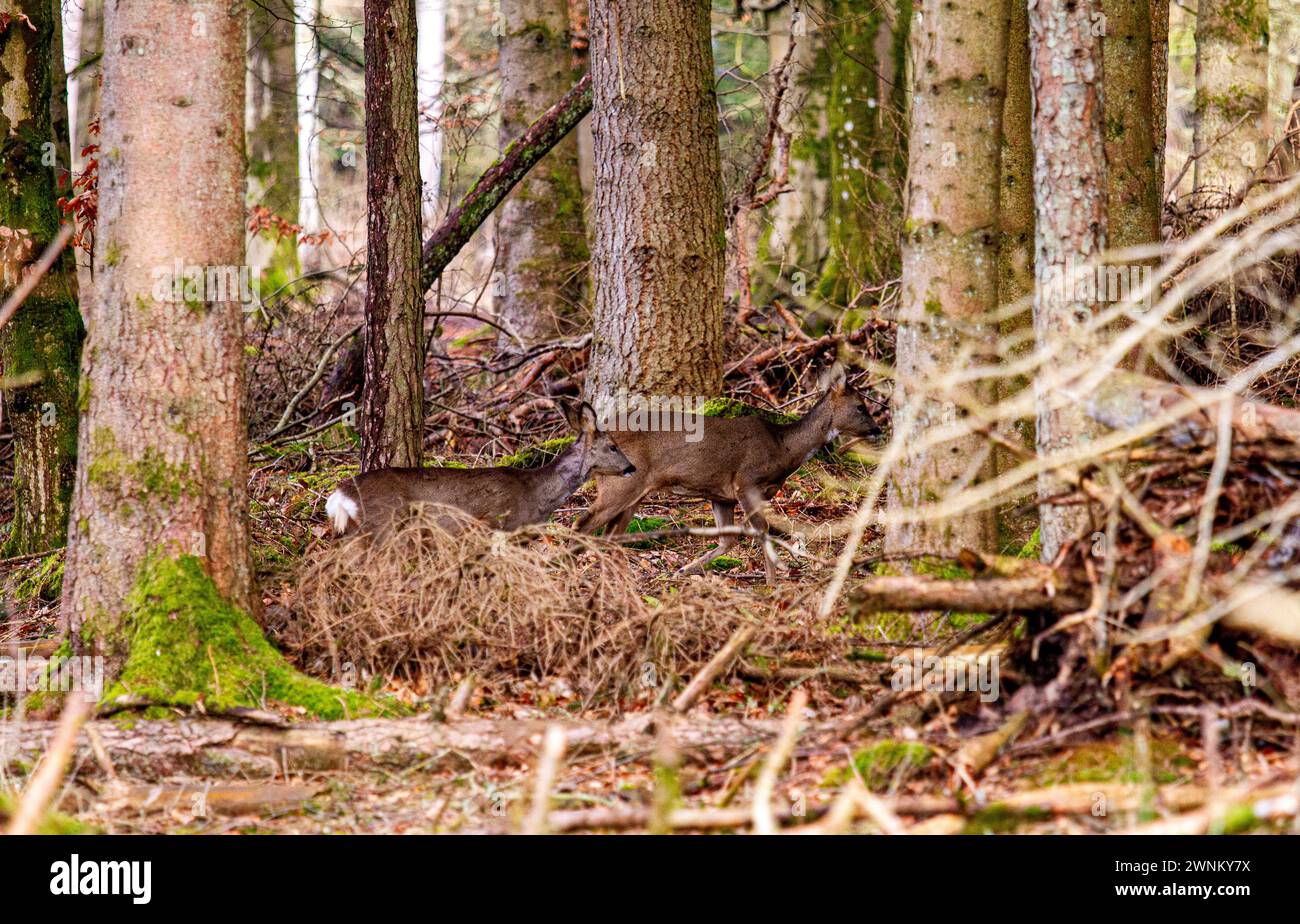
(429, 604)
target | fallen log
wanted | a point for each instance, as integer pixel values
(154, 749)
(1126, 400)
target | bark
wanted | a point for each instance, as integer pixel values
(156, 749)
(868, 141)
(541, 239)
(1160, 85)
(162, 450)
(492, 186)
(1133, 186)
(1283, 55)
(392, 423)
(658, 252)
(1070, 196)
(1231, 97)
(1016, 213)
(45, 335)
(950, 261)
(1016, 207)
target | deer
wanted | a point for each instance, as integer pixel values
(503, 497)
(732, 461)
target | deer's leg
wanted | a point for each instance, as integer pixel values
(724, 515)
(614, 498)
(753, 502)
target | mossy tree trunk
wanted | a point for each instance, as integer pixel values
(1231, 97)
(541, 238)
(657, 259)
(163, 469)
(1133, 185)
(45, 336)
(392, 423)
(867, 126)
(1070, 224)
(950, 264)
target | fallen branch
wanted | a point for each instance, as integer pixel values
(717, 664)
(496, 182)
(45, 781)
(151, 749)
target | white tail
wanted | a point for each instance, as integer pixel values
(341, 510)
(503, 497)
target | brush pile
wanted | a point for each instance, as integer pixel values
(432, 604)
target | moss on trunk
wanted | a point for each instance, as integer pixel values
(185, 645)
(45, 336)
(866, 116)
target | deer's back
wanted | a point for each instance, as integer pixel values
(500, 496)
(708, 465)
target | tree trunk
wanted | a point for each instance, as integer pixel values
(1283, 55)
(392, 423)
(1016, 208)
(950, 261)
(1160, 87)
(307, 66)
(45, 335)
(657, 260)
(868, 141)
(1133, 186)
(1016, 218)
(161, 487)
(1231, 97)
(1070, 228)
(431, 71)
(797, 239)
(541, 239)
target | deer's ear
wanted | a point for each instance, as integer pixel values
(572, 414)
(835, 378)
(587, 419)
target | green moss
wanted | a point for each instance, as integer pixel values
(1114, 761)
(998, 819)
(538, 455)
(51, 823)
(883, 763)
(43, 580)
(648, 525)
(731, 408)
(724, 563)
(149, 476)
(187, 645)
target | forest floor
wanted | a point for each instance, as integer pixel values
(915, 756)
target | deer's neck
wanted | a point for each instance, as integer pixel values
(557, 480)
(811, 432)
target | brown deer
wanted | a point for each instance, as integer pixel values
(742, 460)
(503, 497)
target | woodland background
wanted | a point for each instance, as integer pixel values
(1054, 242)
